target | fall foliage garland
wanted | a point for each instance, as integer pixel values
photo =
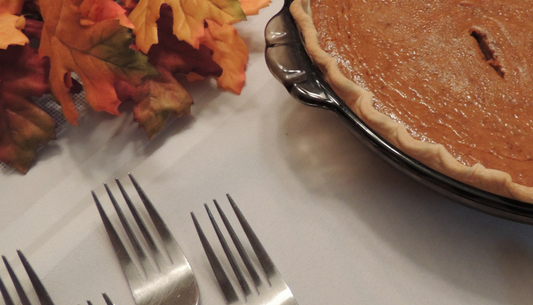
(121, 51)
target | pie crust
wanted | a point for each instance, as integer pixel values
(360, 101)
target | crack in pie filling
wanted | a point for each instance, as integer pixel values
(448, 82)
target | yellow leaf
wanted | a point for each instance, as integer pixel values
(188, 15)
(230, 52)
(10, 26)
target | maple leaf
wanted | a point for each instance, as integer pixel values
(99, 54)
(11, 24)
(24, 127)
(252, 7)
(188, 15)
(93, 11)
(176, 56)
(230, 52)
(11, 6)
(157, 100)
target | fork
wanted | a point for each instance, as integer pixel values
(272, 290)
(42, 294)
(171, 280)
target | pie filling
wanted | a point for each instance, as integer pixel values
(455, 73)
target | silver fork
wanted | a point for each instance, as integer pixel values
(271, 290)
(42, 294)
(169, 282)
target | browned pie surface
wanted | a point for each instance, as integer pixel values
(454, 72)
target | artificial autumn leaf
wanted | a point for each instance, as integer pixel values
(93, 11)
(100, 54)
(252, 7)
(230, 52)
(176, 56)
(11, 6)
(33, 29)
(24, 127)
(11, 24)
(157, 100)
(10, 30)
(188, 15)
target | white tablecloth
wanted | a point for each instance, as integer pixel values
(342, 226)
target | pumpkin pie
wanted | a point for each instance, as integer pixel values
(448, 82)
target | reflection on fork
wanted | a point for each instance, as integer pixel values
(272, 291)
(42, 294)
(169, 282)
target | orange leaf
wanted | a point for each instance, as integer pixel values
(98, 10)
(11, 6)
(189, 17)
(230, 52)
(176, 56)
(252, 7)
(10, 30)
(99, 54)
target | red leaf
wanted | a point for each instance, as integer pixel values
(24, 127)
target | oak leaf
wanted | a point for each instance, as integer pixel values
(98, 53)
(188, 15)
(24, 127)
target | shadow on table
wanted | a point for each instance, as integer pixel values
(472, 250)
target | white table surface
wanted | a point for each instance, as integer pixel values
(342, 226)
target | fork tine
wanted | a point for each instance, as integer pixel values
(220, 275)
(5, 294)
(107, 299)
(262, 255)
(236, 241)
(43, 295)
(238, 273)
(129, 232)
(137, 218)
(119, 247)
(18, 287)
(159, 224)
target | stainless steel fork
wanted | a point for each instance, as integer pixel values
(270, 289)
(169, 281)
(42, 294)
